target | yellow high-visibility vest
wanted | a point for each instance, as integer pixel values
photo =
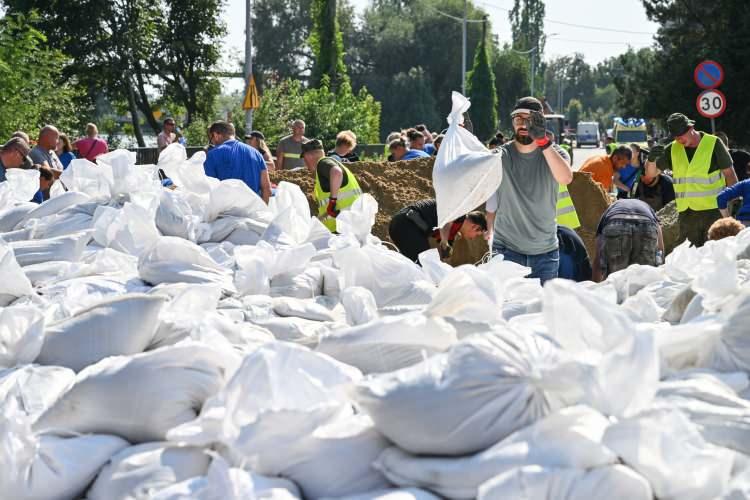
(566, 211)
(694, 187)
(346, 197)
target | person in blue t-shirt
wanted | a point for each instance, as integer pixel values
(417, 141)
(399, 151)
(742, 189)
(232, 159)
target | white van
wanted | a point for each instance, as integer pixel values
(587, 134)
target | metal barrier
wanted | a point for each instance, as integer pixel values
(150, 156)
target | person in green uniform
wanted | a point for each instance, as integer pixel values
(336, 188)
(701, 167)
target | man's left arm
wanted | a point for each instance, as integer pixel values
(724, 161)
(560, 168)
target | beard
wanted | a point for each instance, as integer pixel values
(523, 139)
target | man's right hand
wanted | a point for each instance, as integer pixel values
(656, 152)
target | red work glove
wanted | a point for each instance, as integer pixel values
(331, 209)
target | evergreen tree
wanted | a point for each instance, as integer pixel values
(481, 89)
(327, 44)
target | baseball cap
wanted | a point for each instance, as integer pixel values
(257, 134)
(678, 124)
(311, 145)
(527, 105)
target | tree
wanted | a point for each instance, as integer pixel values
(512, 73)
(327, 44)
(527, 25)
(33, 94)
(412, 102)
(482, 92)
(575, 109)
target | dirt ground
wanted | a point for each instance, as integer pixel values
(397, 184)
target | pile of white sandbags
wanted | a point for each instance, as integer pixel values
(197, 343)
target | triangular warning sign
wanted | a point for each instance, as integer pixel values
(252, 99)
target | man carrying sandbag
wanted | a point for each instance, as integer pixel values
(413, 229)
(524, 225)
(336, 188)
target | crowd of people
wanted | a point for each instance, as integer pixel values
(530, 219)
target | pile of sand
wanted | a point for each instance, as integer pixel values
(590, 200)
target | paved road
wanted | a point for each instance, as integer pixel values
(580, 155)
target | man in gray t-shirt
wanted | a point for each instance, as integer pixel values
(289, 151)
(44, 152)
(524, 207)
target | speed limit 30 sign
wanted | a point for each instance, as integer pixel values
(711, 103)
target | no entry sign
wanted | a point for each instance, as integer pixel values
(711, 103)
(708, 74)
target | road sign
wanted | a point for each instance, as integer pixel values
(711, 103)
(708, 74)
(252, 99)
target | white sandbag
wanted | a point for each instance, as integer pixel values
(130, 229)
(21, 335)
(357, 221)
(389, 343)
(280, 393)
(373, 267)
(229, 483)
(92, 179)
(335, 460)
(642, 443)
(307, 309)
(14, 283)
(498, 382)
(10, 217)
(333, 283)
(633, 278)
(732, 351)
(55, 205)
(139, 397)
(119, 326)
(300, 331)
(235, 230)
(433, 266)
(467, 294)
(359, 304)
(138, 472)
(570, 437)
(465, 174)
(615, 482)
(105, 261)
(391, 494)
(625, 360)
(304, 285)
(720, 415)
(175, 260)
(72, 220)
(68, 248)
(174, 217)
(48, 467)
(23, 183)
(718, 280)
(233, 197)
(33, 387)
(258, 265)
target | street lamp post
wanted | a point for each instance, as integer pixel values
(248, 59)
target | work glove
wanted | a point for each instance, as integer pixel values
(538, 129)
(445, 250)
(656, 152)
(331, 208)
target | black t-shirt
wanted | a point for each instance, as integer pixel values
(427, 210)
(351, 157)
(324, 173)
(626, 207)
(574, 261)
(741, 159)
(657, 195)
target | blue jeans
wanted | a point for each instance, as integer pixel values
(543, 266)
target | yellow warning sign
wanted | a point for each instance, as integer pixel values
(252, 99)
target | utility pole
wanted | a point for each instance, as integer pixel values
(463, 47)
(248, 59)
(531, 69)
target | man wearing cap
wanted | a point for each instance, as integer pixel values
(524, 225)
(13, 154)
(289, 151)
(701, 167)
(257, 140)
(336, 188)
(232, 159)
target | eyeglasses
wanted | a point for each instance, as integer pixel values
(520, 120)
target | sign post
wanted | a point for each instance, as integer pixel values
(711, 103)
